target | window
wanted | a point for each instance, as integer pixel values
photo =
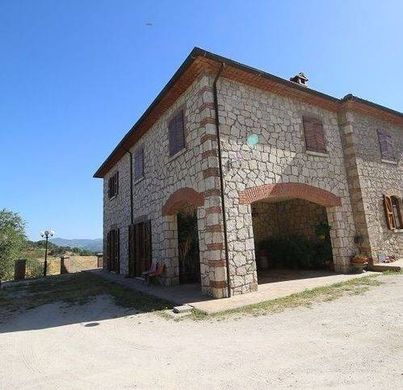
(139, 248)
(113, 185)
(394, 218)
(314, 135)
(176, 133)
(113, 250)
(139, 164)
(386, 146)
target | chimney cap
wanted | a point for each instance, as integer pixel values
(300, 79)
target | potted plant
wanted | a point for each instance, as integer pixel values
(359, 262)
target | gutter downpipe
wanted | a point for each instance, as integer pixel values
(220, 169)
(131, 186)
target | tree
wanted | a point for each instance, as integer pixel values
(12, 241)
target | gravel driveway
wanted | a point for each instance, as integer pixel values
(354, 342)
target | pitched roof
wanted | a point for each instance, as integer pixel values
(201, 61)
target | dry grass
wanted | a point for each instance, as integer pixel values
(305, 298)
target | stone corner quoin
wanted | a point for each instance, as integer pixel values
(276, 176)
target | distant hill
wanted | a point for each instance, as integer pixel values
(91, 245)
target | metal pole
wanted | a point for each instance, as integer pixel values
(46, 256)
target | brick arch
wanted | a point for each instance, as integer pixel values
(289, 190)
(182, 198)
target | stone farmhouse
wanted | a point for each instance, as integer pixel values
(228, 157)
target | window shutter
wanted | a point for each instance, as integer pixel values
(387, 201)
(147, 244)
(386, 145)
(314, 135)
(117, 183)
(117, 253)
(176, 134)
(108, 251)
(132, 250)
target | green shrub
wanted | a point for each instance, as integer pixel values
(297, 252)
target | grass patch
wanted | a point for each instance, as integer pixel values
(74, 289)
(305, 298)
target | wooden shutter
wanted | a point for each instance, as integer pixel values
(147, 244)
(314, 135)
(386, 145)
(176, 134)
(108, 251)
(117, 183)
(390, 221)
(117, 250)
(397, 212)
(132, 250)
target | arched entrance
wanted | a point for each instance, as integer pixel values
(291, 229)
(180, 211)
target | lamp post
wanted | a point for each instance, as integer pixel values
(46, 234)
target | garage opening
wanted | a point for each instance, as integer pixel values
(292, 239)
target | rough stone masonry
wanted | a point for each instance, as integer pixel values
(346, 184)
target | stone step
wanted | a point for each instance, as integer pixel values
(382, 267)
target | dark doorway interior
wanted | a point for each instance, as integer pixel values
(139, 248)
(292, 239)
(188, 247)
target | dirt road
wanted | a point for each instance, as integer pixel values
(354, 342)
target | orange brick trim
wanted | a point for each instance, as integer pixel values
(212, 192)
(214, 228)
(206, 105)
(289, 190)
(182, 198)
(210, 153)
(215, 246)
(208, 137)
(211, 172)
(216, 263)
(206, 121)
(218, 284)
(213, 210)
(204, 89)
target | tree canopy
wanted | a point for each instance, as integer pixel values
(12, 241)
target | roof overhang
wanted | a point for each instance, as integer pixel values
(201, 62)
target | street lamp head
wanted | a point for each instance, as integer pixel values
(47, 233)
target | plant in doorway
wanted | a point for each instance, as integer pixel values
(359, 262)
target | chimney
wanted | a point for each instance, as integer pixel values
(300, 79)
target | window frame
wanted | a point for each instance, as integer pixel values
(171, 151)
(309, 149)
(385, 139)
(393, 212)
(113, 185)
(138, 152)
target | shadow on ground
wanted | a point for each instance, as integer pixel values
(79, 298)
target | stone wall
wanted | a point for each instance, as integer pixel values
(353, 175)
(282, 219)
(279, 157)
(376, 178)
(195, 167)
